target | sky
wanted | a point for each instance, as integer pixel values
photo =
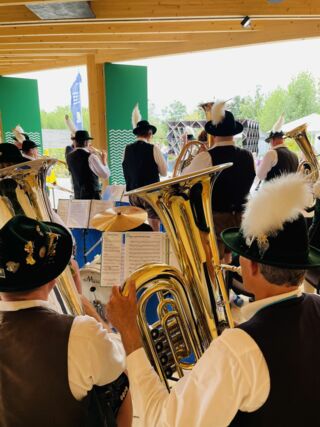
(200, 77)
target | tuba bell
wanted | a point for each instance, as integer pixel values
(310, 165)
(23, 192)
(192, 305)
(192, 148)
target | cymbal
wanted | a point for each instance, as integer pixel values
(121, 218)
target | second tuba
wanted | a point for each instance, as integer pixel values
(310, 165)
(191, 306)
(23, 192)
(191, 148)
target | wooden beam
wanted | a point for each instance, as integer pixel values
(98, 27)
(70, 47)
(216, 42)
(16, 69)
(177, 9)
(148, 9)
(26, 2)
(97, 103)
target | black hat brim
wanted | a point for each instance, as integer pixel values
(138, 130)
(50, 272)
(233, 238)
(223, 131)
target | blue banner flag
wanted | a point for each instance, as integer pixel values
(76, 103)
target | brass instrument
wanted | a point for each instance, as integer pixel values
(310, 166)
(192, 148)
(192, 305)
(22, 192)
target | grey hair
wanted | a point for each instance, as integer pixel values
(282, 276)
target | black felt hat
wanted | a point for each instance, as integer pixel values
(274, 135)
(32, 253)
(273, 231)
(28, 145)
(9, 153)
(228, 126)
(144, 126)
(81, 135)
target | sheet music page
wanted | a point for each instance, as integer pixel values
(63, 208)
(143, 248)
(78, 213)
(99, 206)
(112, 259)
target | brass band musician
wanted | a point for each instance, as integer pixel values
(279, 159)
(53, 367)
(86, 167)
(261, 373)
(233, 185)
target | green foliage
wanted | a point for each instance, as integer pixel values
(273, 107)
(301, 99)
(175, 111)
(55, 119)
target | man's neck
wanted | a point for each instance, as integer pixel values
(223, 138)
(277, 142)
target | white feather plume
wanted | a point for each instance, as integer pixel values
(136, 116)
(277, 127)
(18, 133)
(278, 201)
(70, 125)
(218, 112)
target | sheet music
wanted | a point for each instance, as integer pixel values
(99, 206)
(63, 208)
(112, 259)
(143, 248)
(78, 213)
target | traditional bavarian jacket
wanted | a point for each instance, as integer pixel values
(142, 164)
(48, 364)
(267, 369)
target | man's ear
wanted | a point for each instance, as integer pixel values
(254, 268)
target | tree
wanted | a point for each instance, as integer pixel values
(301, 97)
(175, 111)
(274, 106)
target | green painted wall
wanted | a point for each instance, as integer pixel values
(125, 86)
(19, 105)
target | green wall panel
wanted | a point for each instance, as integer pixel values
(125, 86)
(19, 104)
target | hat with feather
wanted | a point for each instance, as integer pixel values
(276, 131)
(222, 121)
(273, 230)
(140, 127)
(19, 136)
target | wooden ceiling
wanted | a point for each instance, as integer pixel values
(134, 29)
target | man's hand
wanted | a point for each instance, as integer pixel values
(122, 314)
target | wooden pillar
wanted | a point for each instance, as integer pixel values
(97, 103)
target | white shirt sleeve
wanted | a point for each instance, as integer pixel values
(97, 167)
(231, 375)
(159, 159)
(270, 159)
(95, 357)
(200, 161)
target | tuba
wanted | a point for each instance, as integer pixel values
(23, 192)
(192, 148)
(191, 304)
(310, 166)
